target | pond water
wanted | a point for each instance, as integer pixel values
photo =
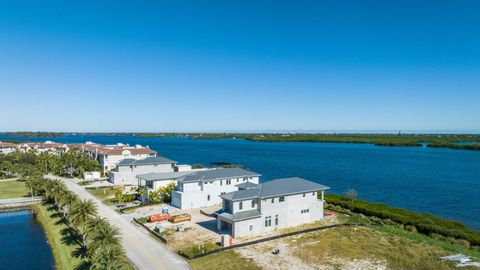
(23, 244)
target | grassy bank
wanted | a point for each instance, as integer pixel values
(427, 224)
(60, 237)
(13, 189)
(227, 260)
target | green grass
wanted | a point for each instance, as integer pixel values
(59, 237)
(226, 260)
(106, 195)
(346, 244)
(13, 189)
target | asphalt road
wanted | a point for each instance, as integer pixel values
(144, 252)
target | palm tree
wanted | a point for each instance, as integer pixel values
(67, 201)
(80, 213)
(111, 257)
(102, 236)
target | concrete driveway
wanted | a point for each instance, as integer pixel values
(144, 252)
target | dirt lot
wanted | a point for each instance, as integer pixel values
(200, 230)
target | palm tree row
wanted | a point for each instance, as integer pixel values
(98, 239)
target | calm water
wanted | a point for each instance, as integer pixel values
(442, 182)
(23, 244)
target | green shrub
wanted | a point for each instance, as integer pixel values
(423, 223)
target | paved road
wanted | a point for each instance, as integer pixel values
(143, 251)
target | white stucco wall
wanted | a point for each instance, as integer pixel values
(289, 213)
(207, 193)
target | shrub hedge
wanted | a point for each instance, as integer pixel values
(424, 223)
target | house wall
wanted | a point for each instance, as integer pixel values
(127, 175)
(242, 228)
(207, 193)
(289, 212)
(109, 162)
(7, 150)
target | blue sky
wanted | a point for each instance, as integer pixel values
(239, 65)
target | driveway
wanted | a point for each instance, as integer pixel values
(144, 252)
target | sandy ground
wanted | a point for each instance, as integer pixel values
(264, 258)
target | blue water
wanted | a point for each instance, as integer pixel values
(23, 244)
(442, 182)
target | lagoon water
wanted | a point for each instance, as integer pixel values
(442, 182)
(23, 244)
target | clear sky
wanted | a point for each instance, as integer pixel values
(157, 66)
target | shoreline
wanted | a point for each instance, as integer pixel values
(61, 254)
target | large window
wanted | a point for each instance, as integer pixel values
(240, 205)
(208, 197)
(229, 181)
(268, 221)
(276, 220)
(254, 203)
(281, 199)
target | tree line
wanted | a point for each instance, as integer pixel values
(71, 163)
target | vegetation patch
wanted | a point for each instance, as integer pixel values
(423, 223)
(62, 239)
(225, 260)
(13, 189)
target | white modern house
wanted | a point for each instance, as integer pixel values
(271, 205)
(128, 169)
(203, 188)
(7, 148)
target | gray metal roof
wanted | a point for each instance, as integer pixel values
(242, 215)
(217, 174)
(146, 161)
(246, 185)
(274, 188)
(162, 176)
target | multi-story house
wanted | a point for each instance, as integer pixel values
(271, 205)
(203, 188)
(110, 157)
(128, 169)
(7, 148)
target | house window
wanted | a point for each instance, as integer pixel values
(304, 195)
(240, 205)
(229, 181)
(281, 199)
(273, 200)
(268, 221)
(254, 203)
(276, 220)
(222, 193)
(221, 182)
(250, 227)
(208, 197)
(313, 193)
(238, 180)
(304, 211)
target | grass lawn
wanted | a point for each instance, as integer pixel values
(60, 238)
(226, 260)
(13, 189)
(106, 195)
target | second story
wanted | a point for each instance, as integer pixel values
(273, 196)
(147, 165)
(216, 181)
